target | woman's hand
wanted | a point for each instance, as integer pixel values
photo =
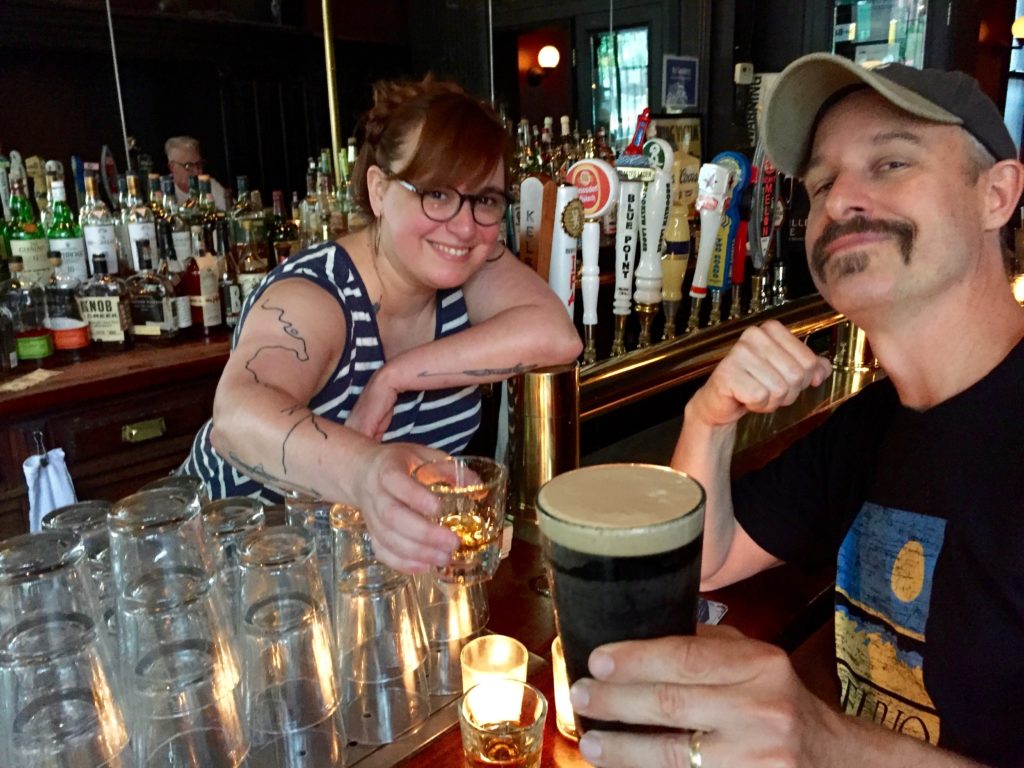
(401, 513)
(375, 407)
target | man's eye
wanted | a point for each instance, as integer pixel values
(821, 189)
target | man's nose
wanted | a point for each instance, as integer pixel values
(847, 197)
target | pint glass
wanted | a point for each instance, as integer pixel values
(623, 545)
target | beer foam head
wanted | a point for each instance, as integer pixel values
(621, 510)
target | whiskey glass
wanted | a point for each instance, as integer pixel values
(502, 723)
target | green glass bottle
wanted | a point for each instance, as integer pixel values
(5, 251)
(26, 237)
(65, 236)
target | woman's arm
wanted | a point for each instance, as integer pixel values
(517, 324)
(289, 347)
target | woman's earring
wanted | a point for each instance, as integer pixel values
(499, 254)
(376, 234)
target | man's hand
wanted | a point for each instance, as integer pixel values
(743, 694)
(400, 513)
(766, 369)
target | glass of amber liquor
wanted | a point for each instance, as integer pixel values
(471, 491)
(502, 723)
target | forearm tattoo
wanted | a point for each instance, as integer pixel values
(481, 372)
(310, 417)
(257, 472)
(299, 349)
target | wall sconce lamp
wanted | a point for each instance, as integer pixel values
(547, 59)
(1017, 30)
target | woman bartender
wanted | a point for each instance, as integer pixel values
(357, 360)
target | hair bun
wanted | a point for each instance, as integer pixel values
(391, 95)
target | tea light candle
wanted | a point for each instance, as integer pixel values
(494, 657)
(564, 717)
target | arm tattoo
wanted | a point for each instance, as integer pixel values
(512, 371)
(257, 472)
(300, 352)
(310, 417)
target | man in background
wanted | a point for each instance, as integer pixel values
(185, 159)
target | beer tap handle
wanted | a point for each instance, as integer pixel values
(597, 185)
(763, 222)
(531, 207)
(720, 271)
(626, 243)
(714, 184)
(656, 200)
(567, 230)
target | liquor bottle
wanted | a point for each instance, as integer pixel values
(181, 237)
(65, 236)
(138, 221)
(8, 343)
(296, 211)
(151, 296)
(189, 209)
(246, 210)
(126, 258)
(323, 208)
(26, 238)
(5, 251)
(71, 340)
(216, 229)
(309, 223)
(251, 268)
(98, 227)
(201, 284)
(283, 233)
(182, 306)
(26, 300)
(103, 303)
(230, 297)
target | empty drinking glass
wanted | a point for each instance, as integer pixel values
(288, 679)
(57, 697)
(382, 653)
(179, 667)
(471, 492)
(315, 516)
(189, 484)
(453, 614)
(229, 521)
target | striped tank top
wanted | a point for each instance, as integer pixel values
(441, 418)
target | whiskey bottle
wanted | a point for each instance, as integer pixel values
(26, 300)
(151, 296)
(181, 237)
(65, 236)
(182, 307)
(103, 303)
(71, 340)
(98, 227)
(139, 222)
(26, 238)
(283, 233)
(8, 343)
(246, 209)
(201, 284)
(251, 268)
(189, 209)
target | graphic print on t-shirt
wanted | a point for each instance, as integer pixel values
(883, 592)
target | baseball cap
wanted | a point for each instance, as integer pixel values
(812, 82)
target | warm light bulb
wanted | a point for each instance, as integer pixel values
(548, 57)
(1017, 30)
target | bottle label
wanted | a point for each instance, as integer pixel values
(101, 238)
(72, 257)
(182, 250)
(35, 255)
(69, 333)
(34, 345)
(154, 316)
(138, 231)
(231, 303)
(107, 315)
(248, 281)
(210, 298)
(183, 309)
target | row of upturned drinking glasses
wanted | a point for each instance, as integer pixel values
(167, 630)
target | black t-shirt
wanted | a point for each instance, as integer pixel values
(923, 514)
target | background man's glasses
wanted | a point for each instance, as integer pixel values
(444, 203)
(193, 165)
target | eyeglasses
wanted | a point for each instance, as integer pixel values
(444, 203)
(192, 165)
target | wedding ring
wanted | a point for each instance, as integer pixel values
(696, 759)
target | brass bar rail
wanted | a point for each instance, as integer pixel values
(624, 380)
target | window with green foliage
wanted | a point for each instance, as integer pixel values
(620, 81)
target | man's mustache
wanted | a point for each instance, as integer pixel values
(902, 231)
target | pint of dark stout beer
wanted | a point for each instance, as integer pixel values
(623, 545)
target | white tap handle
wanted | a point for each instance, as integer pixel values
(656, 200)
(568, 219)
(627, 242)
(714, 185)
(591, 277)
(531, 204)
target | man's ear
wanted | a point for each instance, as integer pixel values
(1003, 184)
(376, 183)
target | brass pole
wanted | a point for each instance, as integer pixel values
(332, 92)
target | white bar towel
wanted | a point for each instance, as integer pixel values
(49, 485)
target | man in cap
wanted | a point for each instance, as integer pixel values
(915, 488)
